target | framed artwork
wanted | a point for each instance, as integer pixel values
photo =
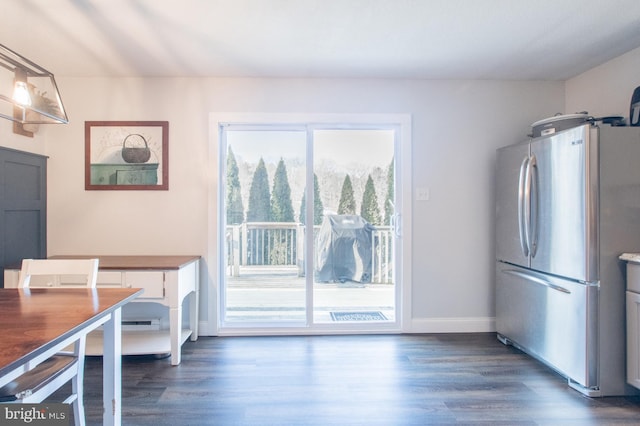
(126, 155)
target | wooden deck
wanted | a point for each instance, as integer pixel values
(278, 294)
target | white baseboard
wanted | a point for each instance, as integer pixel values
(418, 325)
(205, 328)
(452, 325)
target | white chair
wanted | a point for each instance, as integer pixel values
(49, 376)
(58, 272)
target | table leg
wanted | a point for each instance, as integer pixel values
(193, 315)
(112, 370)
(175, 330)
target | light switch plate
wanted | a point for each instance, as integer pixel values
(422, 194)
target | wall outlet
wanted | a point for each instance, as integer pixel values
(422, 194)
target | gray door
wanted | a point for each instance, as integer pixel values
(561, 225)
(23, 207)
(511, 164)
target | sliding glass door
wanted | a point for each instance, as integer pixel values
(353, 244)
(309, 226)
(264, 281)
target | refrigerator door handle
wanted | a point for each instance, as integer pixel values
(536, 279)
(524, 243)
(533, 208)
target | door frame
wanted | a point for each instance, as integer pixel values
(403, 194)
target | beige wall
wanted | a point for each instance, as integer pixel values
(605, 90)
(457, 125)
(9, 139)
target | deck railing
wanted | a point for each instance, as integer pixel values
(282, 244)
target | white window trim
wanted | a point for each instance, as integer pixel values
(209, 326)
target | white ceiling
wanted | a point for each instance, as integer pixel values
(451, 39)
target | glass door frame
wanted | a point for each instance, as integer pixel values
(401, 124)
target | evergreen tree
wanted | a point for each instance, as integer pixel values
(281, 207)
(281, 211)
(388, 202)
(347, 203)
(235, 208)
(318, 208)
(369, 209)
(259, 197)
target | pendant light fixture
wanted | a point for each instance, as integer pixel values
(28, 92)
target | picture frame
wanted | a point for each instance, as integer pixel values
(126, 155)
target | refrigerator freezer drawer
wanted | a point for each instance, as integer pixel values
(551, 319)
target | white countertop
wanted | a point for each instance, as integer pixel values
(630, 257)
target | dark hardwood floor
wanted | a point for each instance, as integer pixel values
(435, 379)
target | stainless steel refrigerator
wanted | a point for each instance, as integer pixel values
(567, 205)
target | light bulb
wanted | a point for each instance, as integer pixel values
(21, 94)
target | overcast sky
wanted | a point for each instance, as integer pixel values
(344, 147)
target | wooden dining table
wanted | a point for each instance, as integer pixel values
(36, 323)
